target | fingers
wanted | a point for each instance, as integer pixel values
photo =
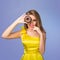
(35, 28)
(21, 18)
(24, 14)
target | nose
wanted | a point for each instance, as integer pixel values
(32, 23)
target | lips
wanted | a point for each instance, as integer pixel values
(32, 25)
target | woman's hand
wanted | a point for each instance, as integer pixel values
(37, 29)
(21, 19)
(42, 41)
(8, 31)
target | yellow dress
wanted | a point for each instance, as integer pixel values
(31, 45)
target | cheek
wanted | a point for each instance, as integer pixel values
(34, 23)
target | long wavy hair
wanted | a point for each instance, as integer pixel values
(39, 22)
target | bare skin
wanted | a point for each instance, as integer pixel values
(17, 34)
(32, 31)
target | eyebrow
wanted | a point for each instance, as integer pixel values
(34, 20)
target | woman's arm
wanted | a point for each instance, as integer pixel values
(8, 32)
(13, 35)
(42, 42)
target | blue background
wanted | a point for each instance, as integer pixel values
(49, 10)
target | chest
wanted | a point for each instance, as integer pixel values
(33, 34)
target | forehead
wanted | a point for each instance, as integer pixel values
(33, 17)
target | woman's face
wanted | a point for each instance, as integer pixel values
(33, 22)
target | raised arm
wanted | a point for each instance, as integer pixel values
(8, 32)
(42, 40)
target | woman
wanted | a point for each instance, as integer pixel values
(32, 34)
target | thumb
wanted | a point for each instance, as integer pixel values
(25, 22)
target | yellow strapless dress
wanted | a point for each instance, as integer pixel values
(31, 47)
